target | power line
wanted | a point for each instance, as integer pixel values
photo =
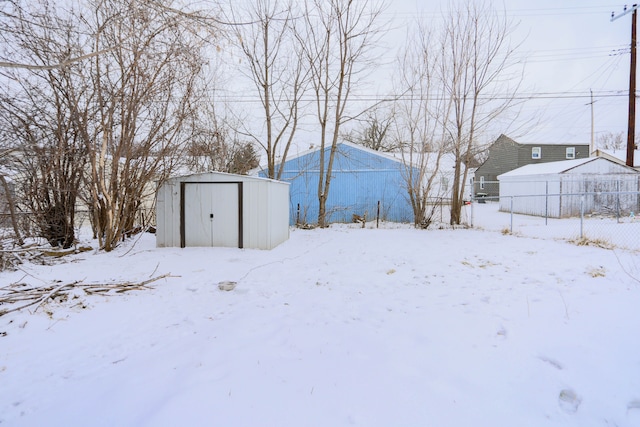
(604, 10)
(524, 96)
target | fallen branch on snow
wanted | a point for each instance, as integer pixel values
(16, 293)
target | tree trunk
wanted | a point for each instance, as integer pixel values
(12, 210)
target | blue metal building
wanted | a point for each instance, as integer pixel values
(361, 180)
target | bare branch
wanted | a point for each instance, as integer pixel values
(43, 295)
(66, 63)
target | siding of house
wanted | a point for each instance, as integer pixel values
(506, 155)
(502, 154)
(360, 179)
(549, 153)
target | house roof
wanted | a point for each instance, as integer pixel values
(618, 156)
(503, 138)
(446, 162)
(313, 149)
(551, 168)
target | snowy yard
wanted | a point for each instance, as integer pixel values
(623, 233)
(338, 327)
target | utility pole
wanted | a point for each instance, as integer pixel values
(631, 145)
(592, 147)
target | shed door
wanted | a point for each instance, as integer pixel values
(212, 214)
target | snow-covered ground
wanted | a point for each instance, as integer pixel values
(608, 231)
(338, 327)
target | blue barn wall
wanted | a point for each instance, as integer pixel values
(360, 178)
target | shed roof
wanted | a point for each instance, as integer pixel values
(548, 167)
(220, 175)
(619, 156)
(552, 168)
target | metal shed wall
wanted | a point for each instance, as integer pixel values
(558, 195)
(360, 178)
(527, 195)
(264, 209)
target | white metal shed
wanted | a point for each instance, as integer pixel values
(559, 189)
(220, 209)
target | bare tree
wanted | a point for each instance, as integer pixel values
(7, 199)
(477, 69)
(612, 141)
(38, 119)
(214, 145)
(419, 124)
(120, 111)
(338, 36)
(143, 91)
(273, 64)
(374, 131)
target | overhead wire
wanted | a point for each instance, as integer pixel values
(559, 101)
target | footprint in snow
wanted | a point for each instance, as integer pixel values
(633, 412)
(551, 362)
(501, 333)
(569, 401)
(633, 405)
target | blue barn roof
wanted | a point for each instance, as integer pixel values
(360, 179)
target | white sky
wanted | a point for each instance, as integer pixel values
(574, 48)
(570, 49)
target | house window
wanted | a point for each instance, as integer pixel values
(536, 153)
(444, 182)
(482, 182)
(571, 152)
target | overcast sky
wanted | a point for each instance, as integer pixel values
(574, 47)
(570, 48)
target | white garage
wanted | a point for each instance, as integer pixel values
(566, 188)
(220, 209)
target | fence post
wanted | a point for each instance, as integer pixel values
(618, 201)
(546, 203)
(378, 216)
(472, 211)
(511, 226)
(582, 216)
(298, 215)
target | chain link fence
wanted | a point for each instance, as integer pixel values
(608, 219)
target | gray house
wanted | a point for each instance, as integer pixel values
(506, 155)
